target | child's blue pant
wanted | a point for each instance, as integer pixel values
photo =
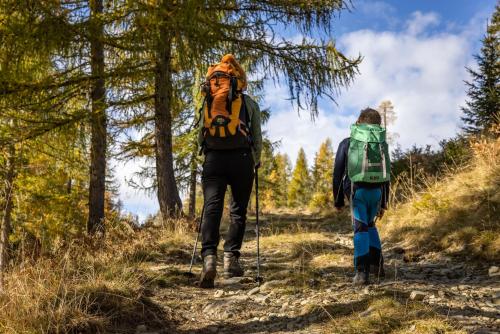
(367, 246)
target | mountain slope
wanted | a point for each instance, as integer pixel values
(458, 215)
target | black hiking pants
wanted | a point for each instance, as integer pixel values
(220, 169)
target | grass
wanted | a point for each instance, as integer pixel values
(86, 289)
(457, 215)
(387, 315)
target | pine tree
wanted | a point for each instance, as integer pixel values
(299, 189)
(322, 175)
(482, 109)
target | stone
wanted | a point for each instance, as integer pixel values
(219, 293)
(367, 312)
(141, 329)
(441, 293)
(242, 298)
(313, 318)
(285, 306)
(271, 285)
(235, 282)
(417, 295)
(313, 282)
(219, 308)
(494, 271)
(262, 299)
(398, 250)
(254, 291)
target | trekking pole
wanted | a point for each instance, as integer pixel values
(196, 242)
(258, 278)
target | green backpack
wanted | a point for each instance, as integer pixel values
(368, 156)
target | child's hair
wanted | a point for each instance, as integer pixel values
(369, 116)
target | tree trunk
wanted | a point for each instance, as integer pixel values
(7, 215)
(168, 194)
(192, 186)
(98, 121)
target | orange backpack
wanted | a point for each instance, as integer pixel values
(225, 123)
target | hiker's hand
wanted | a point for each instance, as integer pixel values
(381, 213)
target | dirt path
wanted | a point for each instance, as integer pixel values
(307, 267)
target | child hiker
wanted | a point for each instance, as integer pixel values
(362, 174)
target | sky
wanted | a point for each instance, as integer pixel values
(414, 54)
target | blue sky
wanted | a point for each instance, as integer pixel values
(387, 15)
(415, 53)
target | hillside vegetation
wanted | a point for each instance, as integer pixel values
(456, 215)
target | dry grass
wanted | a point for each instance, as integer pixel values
(458, 214)
(387, 315)
(326, 260)
(85, 289)
(294, 244)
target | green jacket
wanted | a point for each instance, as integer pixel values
(255, 128)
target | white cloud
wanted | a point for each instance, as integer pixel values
(420, 71)
(421, 21)
(295, 131)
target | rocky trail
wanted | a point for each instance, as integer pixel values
(306, 264)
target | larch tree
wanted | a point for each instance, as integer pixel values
(322, 175)
(299, 189)
(180, 38)
(279, 179)
(482, 108)
(7, 204)
(386, 111)
(98, 120)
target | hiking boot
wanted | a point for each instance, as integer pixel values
(232, 266)
(361, 278)
(209, 272)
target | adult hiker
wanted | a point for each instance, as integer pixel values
(362, 174)
(230, 138)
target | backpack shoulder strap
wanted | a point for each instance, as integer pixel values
(200, 113)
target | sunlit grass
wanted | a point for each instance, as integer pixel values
(457, 214)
